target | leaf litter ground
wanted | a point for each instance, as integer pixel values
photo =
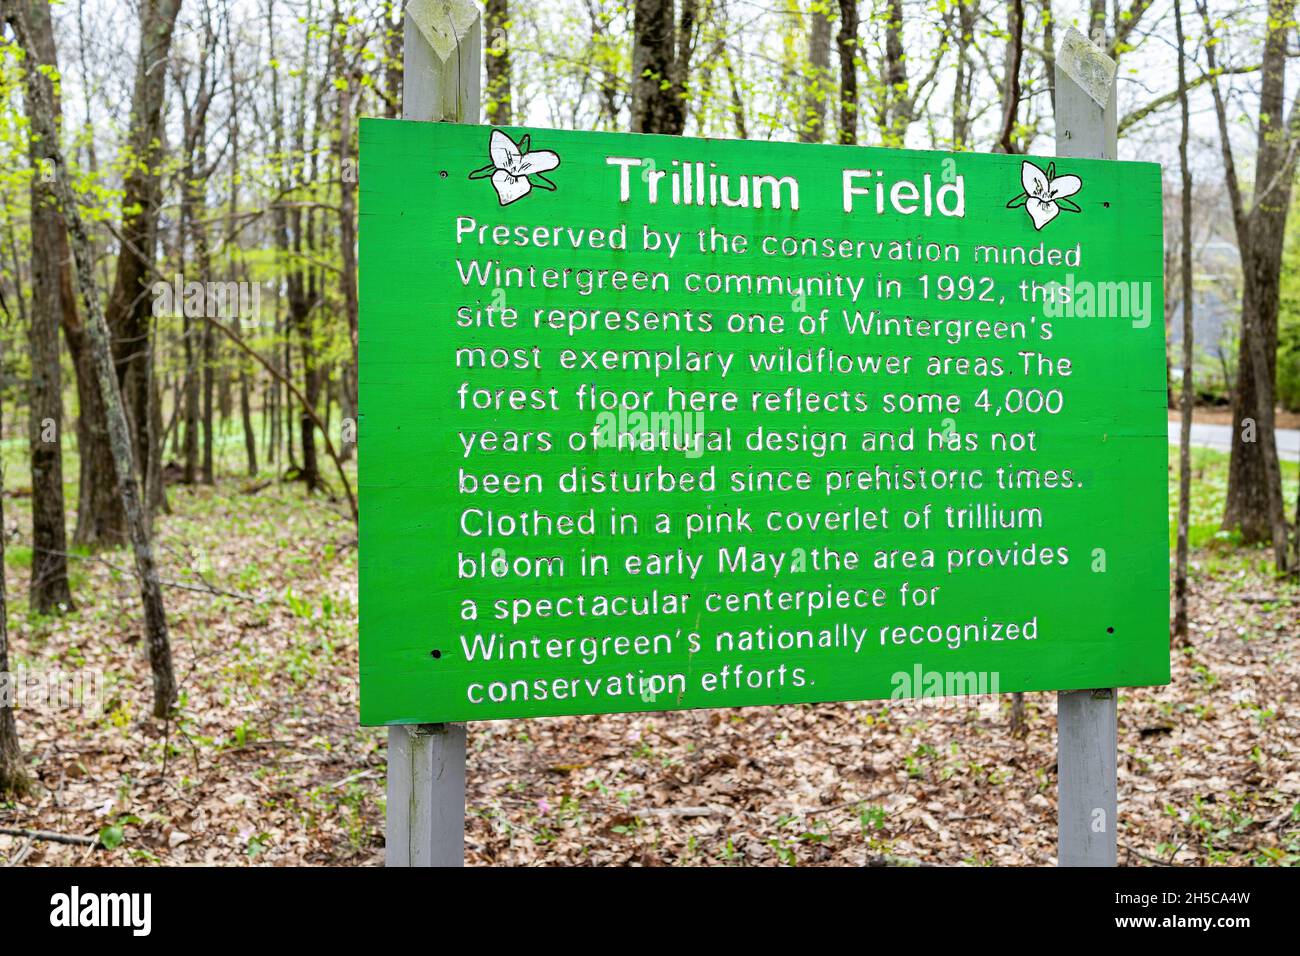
(266, 764)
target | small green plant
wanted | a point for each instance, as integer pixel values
(257, 845)
(113, 835)
(871, 817)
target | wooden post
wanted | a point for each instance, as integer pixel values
(426, 795)
(1086, 742)
(442, 57)
(440, 69)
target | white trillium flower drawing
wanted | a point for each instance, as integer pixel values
(1045, 193)
(515, 169)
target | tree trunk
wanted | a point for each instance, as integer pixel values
(892, 114)
(391, 90)
(13, 773)
(1096, 29)
(101, 522)
(173, 431)
(1254, 500)
(246, 380)
(846, 41)
(657, 103)
(1253, 481)
(1011, 78)
(209, 360)
(128, 310)
(309, 472)
(155, 493)
(499, 108)
(194, 177)
(157, 641)
(1185, 427)
(290, 455)
(246, 414)
(1019, 727)
(348, 204)
(50, 593)
(100, 519)
(327, 381)
(812, 124)
(964, 75)
(737, 102)
(1049, 49)
(191, 472)
(271, 394)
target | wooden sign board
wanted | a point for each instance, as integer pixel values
(653, 423)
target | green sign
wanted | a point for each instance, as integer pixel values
(651, 423)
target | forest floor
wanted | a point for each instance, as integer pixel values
(266, 764)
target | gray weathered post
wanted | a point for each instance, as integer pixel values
(442, 56)
(440, 78)
(1086, 743)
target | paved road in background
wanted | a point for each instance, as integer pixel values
(1219, 437)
